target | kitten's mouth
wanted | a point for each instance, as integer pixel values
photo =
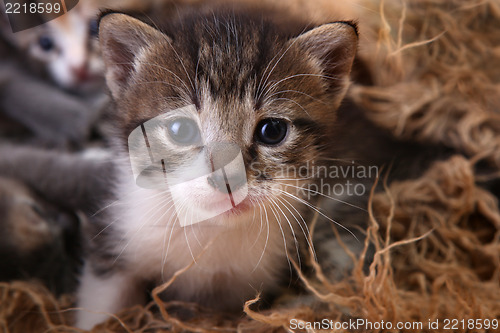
(239, 208)
(230, 204)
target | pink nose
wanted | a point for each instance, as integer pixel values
(81, 73)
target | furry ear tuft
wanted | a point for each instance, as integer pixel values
(334, 45)
(123, 39)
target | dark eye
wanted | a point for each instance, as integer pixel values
(271, 131)
(46, 43)
(93, 28)
(184, 131)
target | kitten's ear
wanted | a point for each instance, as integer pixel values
(122, 39)
(334, 45)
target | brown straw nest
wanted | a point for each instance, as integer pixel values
(436, 71)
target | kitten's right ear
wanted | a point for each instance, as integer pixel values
(123, 39)
(334, 46)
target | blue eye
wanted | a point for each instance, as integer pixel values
(46, 43)
(271, 131)
(184, 131)
(93, 28)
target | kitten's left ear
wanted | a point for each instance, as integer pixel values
(334, 45)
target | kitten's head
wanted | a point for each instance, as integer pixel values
(65, 48)
(221, 106)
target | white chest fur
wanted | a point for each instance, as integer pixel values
(243, 258)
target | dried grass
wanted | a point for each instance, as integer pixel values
(436, 66)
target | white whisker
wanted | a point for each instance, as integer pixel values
(118, 202)
(319, 212)
(296, 242)
(278, 220)
(304, 231)
(267, 235)
(155, 209)
(323, 195)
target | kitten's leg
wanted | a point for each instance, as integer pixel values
(101, 296)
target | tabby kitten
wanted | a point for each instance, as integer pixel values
(209, 112)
